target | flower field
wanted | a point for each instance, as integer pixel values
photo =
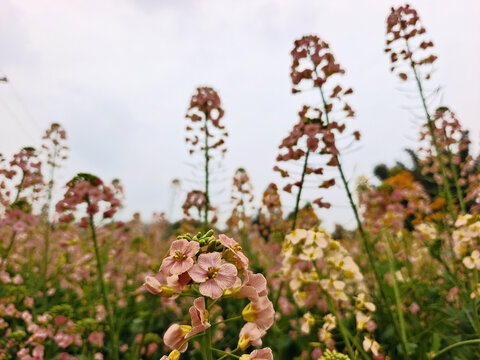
(79, 282)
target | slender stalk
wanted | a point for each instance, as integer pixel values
(363, 234)
(458, 188)
(228, 320)
(446, 183)
(19, 190)
(46, 235)
(396, 291)
(347, 336)
(475, 303)
(101, 282)
(460, 343)
(207, 160)
(224, 354)
(299, 194)
(228, 354)
(147, 324)
(344, 331)
(10, 245)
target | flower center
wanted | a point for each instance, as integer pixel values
(179, 256)
(212, 272)
(237, 247)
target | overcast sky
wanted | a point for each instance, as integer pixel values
(119, 75)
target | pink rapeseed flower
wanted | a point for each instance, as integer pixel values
(213, 275)
(260, 354)
(250, 335)
(175, 336)
(199, 316)
(240, 259)
(180, 257)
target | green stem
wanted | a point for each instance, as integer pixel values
(101, 281)
(331, 306)
(191, 338)
(475, 303)
(147, 324)
(278, 294)
(299, 194)
(224, 353)
(343, 330)
(10, 245)
(363, 234)
(47, 228)
(19, 190)
(460, 343)
(446, 184)
(228, 320)
(207, 160)
(396, 291)
(453, 169)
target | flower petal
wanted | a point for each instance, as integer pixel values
(192, 248)
(181, 266)
(197, 273)
(179, 245)
(211, 289)
(213, 259)
(226, 275)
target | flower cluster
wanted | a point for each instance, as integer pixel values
(29, 335)
(196, 200)
(304, 139)
(398, 200)
(210, 270)
(242, 199)
(452, 143)
(55, 137)
(206, 108)
(27, 167)
(89, 190)
(406, 42)
(271, 214)
(318, 264)
(466, 240)
(313, 65)
(313, 62)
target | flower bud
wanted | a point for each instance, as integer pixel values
(243, 342)
(153, 286)
(174, 355)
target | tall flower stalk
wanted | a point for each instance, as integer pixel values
(25, 171)
(242, 201)
(206, 134)
(90, 190)
(410, 52)
(56, 152)
(314, 65)
(302, 141)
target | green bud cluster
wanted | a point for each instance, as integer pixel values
(62, 309)
(17, 335)
(17, 291)
(207, 239)
(328, 355)
(87, 325)
(152, 338)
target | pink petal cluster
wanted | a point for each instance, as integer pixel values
(213, 275)
(91, 190)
